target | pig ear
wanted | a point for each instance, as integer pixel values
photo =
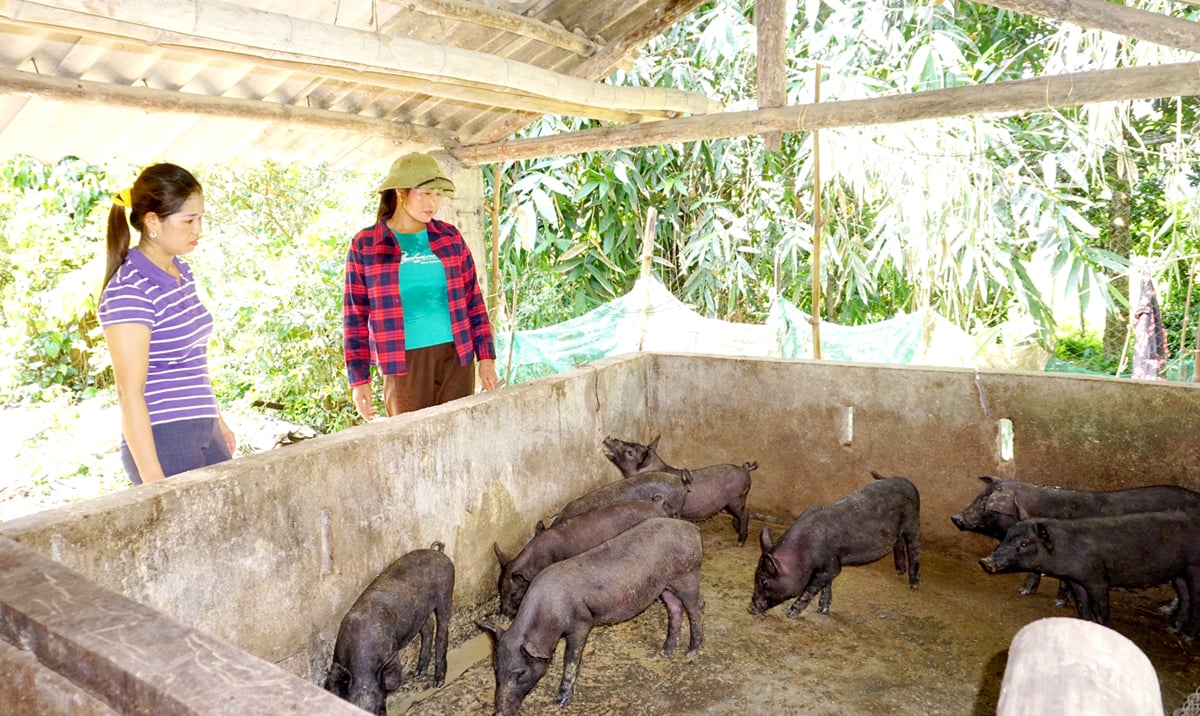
(769, 564)
(338, 679)
(532, 651)
(989, 480)
(1043, 535)
(654, 443)
(764, 540)
(391, 674)
(489, 627)
(1021, 513)
(504, 559)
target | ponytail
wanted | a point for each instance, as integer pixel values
(117, 242)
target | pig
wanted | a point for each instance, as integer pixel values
(710, 489)
(1094, 554)
(995, 510)
(670, 487)
(567, 539)
(859, 528)
(397, 605)
(610, 583)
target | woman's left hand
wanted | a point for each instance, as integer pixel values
(230, 438)
(487, 374)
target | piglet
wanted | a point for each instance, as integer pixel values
(670, 488)
(567, 539)
(710, 489)
(610, 583)
(1094, 554)
(397, 605)
(860, 528)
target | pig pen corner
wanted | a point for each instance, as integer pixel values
(261, 571)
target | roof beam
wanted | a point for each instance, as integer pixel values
(601, 64)
(1100, 15)
(154, 100)
(771, 26)
(511, 22)
(1030, 95)
(216, 25)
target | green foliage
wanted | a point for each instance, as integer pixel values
(1085, 350)
(48, 276)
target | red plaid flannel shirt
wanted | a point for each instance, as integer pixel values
(372, 317)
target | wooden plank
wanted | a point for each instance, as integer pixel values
(270, 37)
(1119, 19)
(601, 64)
(1000, 98)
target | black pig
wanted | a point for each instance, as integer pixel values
(641, 487)
(567, 539)
(859, 528)
(1002, 502)
(1093, 554)
(397, 605)
(610, 583)
(710, 489)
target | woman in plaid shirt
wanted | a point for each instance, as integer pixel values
(412, 304)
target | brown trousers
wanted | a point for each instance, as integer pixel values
(434, 377)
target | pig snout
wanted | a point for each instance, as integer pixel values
(989, 564)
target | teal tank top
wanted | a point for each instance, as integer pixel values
(423, 293)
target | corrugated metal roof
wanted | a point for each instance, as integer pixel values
(346, 82)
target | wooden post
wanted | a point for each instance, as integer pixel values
(816, 252)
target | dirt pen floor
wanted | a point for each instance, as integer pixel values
(881, 649)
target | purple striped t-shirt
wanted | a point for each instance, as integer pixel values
(177, 382)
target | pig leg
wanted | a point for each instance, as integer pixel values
(826, 599)
(441, 641)
(674, 619)
(576, 639)
(687, 589)
(802, 601)
(1063, 597)
(1182, 604)
(912, 544)
(741, 518)
(1098, 603)
(899, 557)
(426, 643)
(1031, 584)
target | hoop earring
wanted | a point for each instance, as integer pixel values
(154, 234)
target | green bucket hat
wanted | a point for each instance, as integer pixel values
(416, 170)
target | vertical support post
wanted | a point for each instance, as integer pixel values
(816, 252)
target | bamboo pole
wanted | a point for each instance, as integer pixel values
(816, 253)
(648, 241)
(495, 295)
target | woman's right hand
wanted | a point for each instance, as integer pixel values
(363, 402)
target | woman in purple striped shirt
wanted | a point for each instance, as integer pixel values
(157, 330)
